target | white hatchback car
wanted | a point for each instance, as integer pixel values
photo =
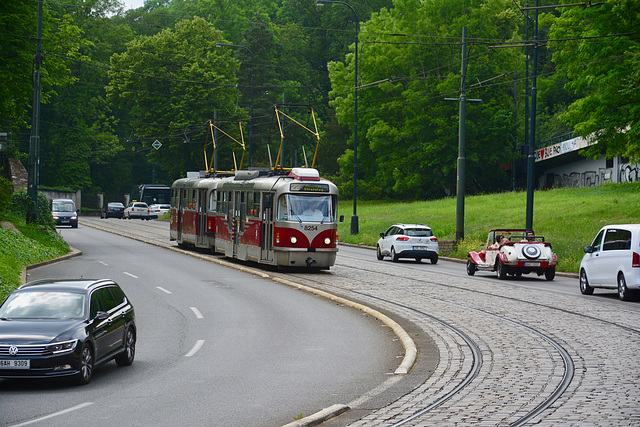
(408, 241)
(612, 261)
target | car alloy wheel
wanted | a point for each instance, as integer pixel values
(128, 354)
(379, 254)
(86, 365)
(394, 256)
(623, 291)
(585, 289)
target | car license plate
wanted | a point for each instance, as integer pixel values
(419, 248)
(15, 364)
(532, 264)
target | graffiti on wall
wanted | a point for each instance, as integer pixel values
(629, 173)
(626, 173)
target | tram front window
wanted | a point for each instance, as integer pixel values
(305, 208)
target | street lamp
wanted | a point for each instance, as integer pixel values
(354, 218)
(253, 76)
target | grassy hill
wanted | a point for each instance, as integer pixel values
(569, 218)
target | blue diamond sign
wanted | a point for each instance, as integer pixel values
(156, 144)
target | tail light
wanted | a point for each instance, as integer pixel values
(434, 239)
(636, 260)
(402, 238)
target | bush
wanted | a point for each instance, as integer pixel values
(21, 206)
(6, 189)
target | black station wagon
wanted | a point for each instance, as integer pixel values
(64, 328)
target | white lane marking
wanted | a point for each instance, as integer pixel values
(131, 275)
(37, 420)
(104, 263)
(163, 290)
(195, 348)
(197, 312)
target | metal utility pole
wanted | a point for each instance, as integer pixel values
(532, 136)
(355, 227)
(34, 142)
(461, 179)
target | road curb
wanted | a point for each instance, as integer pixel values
(320, 416)
(73, 252)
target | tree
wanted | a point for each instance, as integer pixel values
(60, 37)
(173, 81)
(598, 50)
(409, 62)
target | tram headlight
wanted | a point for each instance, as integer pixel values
(294, 240)
(327, 241)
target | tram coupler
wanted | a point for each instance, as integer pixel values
(310, 261)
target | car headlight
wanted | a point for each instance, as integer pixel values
(61, 347)
(55, 217)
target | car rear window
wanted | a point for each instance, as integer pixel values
(419, 232)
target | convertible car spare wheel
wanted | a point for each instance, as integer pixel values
(531, 251)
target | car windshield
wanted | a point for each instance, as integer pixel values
(43, 305)
(62, 207)
(116, 205)
(299, 207)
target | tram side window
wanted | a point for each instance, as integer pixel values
(212, 201)
(222, 202)
(253, 204)
(283, 214)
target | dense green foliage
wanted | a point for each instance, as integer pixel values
(605, 72)
(569, 218)
(32, 243)
(115, 81)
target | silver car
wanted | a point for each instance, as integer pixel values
(408, 241)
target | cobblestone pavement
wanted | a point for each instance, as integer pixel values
(507, 355)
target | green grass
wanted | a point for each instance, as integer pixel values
(568, 218)
(17, 250)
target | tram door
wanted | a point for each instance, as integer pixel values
(238, 220)
(202, 218)
(266, 252)
(181, 195)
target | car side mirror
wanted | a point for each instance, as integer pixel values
(341, 218)
(381, 234)
(101, 315)
(588, 249)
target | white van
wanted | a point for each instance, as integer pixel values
(612, 261)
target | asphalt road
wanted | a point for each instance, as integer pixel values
(216, 347)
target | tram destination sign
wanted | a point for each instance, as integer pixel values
(312, 188)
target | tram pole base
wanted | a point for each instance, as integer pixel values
(355, 229)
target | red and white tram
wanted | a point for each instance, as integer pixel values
(286, 219)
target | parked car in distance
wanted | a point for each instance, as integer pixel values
(137, 210)
(612, 261)
(158, 210)
(65, 328)
(114, 210)
(408, 241)
(514, 252)
(64, 212)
